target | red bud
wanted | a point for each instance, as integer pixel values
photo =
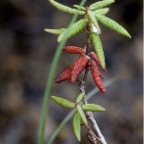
(95, 58)
(96, 75)
(73, 50)
(79, 66)
(65, 75)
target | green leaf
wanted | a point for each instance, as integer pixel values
(93, 108)
(80, 97)
(76, 28)
(113, 25)
(54, 31)
(82, 114)
(94, 21)
(101, 4)
(103, 11)
(97, 45)
(79, 7)
(63, 102)
(66, 8)
(77, 126)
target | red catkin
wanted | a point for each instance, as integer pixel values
(73, 50)
(79, 66)
(96, 75)
(65, 75)
(95, 58)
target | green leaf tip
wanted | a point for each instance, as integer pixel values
(111, 24)
(66, 8)
(63, 102)
(76, 28)
(101, 4)
(54, 31)
(77, 126)
(97, 45)
(79, 7)
(102, 11)
(80, 97)
(82, 114)
(94, 21)
(93, 108)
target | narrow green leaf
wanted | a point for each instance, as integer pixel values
(54, 31)
(113, 25)
(63, 102)
(79, 7)
(82, 115)
(101, 4)
(93, 108)
(76, 28)
(80, 97)
(66, 8)
(93, 20)
(97, 45)
(102, 11)
(77, 126)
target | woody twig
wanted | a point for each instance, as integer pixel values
(93, 138)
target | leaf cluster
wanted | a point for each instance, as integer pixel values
(79, 116)
(94, 14)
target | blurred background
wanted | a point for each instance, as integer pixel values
(26, 53)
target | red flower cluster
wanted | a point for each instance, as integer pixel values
(81, 63)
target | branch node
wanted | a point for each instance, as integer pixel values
(82, 86)
(89, 114)
(91, 136)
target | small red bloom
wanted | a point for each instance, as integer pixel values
(65, 75)
(96, 75)
(79, 66)
(73, 50)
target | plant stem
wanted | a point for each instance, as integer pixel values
(88, 44)
(95, 125)
(91, 136)
(89, 115)
(69, 116)
(50, 82)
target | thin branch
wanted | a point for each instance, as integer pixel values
(86, 73)
(92, 137)
(91, 118)
(96, 127)
(88, 38)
